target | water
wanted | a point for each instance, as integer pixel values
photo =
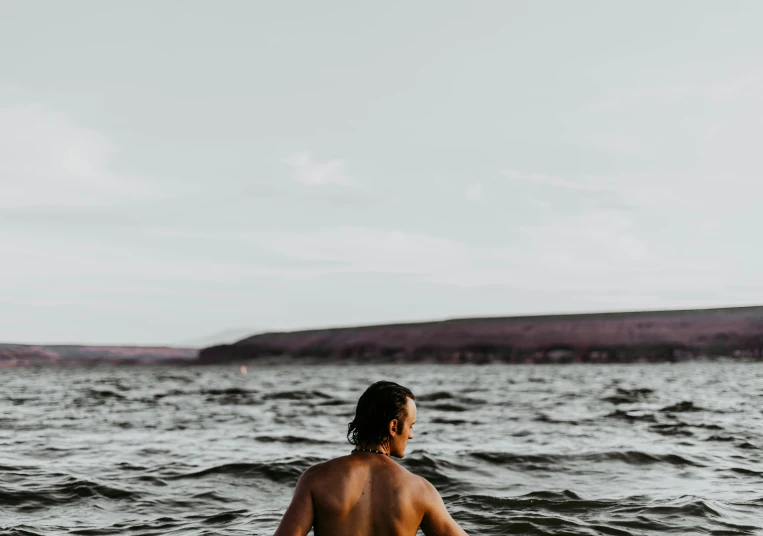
(617, 450)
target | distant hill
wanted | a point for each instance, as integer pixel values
(16, 355)
(605, 338)
(216, 338)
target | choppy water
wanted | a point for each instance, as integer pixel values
(568, 450)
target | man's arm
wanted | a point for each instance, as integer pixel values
(437, 520)
(298, 519)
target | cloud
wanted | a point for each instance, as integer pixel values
(366, 250)
(411, 256)
(635, 239)
(47, 160)
(589, 262)
(599, 242)
(554, 180)
(474, 192)
(615, 142)
(82, 262)
(687, 192)
(576, 251)
(739, 86)
(307, 171)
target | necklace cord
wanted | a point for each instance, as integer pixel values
(358, 449)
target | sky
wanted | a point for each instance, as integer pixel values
(185, 172)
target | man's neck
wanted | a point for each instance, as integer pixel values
(373, 447)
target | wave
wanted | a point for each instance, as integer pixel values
(291, 440)
(98, 396)
(548, 461)
(672, 429)
(682, 407)
(211, 496)
(68, 491)
(174, 392)
(296, 395)
(224, 517)
(231, 391)
(441, 420)
(565, 512)
(747, 472)
(233, 396)
(721, 438)
(435, 397)
(539, 513)
(629, 396)
(156, 481)
(676, 514)
(448, 407)
(631, 416)
(285, 471)
(211, 394)
(175, 378)
(543, 417)
(439, 396)
(332, 402)
(21, 531)
(433, 470)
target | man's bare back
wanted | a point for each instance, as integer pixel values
(368, 494)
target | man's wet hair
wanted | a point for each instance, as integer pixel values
(381, 403)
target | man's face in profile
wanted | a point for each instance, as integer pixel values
(399, 440)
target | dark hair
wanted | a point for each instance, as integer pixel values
(381, 403)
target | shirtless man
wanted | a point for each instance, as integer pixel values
(366, 493)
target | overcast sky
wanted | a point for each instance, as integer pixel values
(186, 172)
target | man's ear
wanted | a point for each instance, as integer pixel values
(393, 428)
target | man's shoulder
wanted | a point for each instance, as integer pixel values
(322, 468)
(328, 474)
(418, 485)
(344, 464)
(315, 470)
(425, 488)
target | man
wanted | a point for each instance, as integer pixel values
(366, 493)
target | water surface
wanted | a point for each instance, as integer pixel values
(636, 449)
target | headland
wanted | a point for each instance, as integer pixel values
(643, 336)
(626, 337)
(20, 355)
